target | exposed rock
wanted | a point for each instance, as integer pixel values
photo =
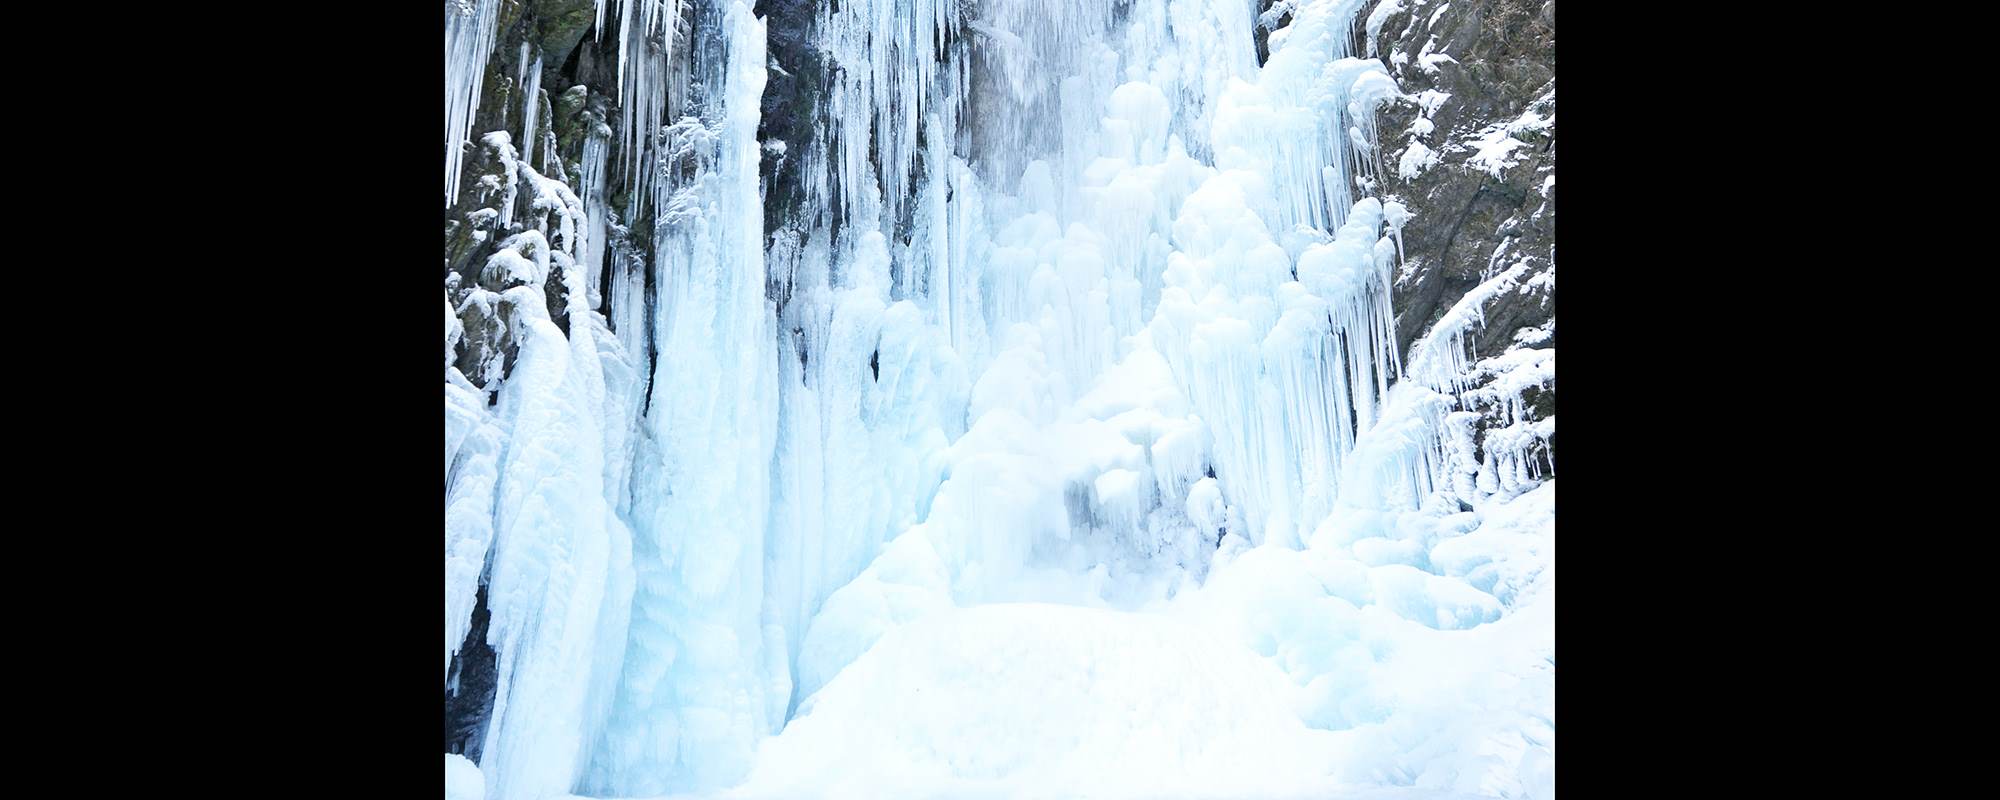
(468, 693)
(1471, 150)
(793, 91)
(560, 26)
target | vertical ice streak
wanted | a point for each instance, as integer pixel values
(592, 186)
(694, 697)
(531, 110)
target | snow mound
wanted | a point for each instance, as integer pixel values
(1040, 700)
(462, 780)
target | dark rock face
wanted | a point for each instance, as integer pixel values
(793, 92)
(1476, 74)
(560, 26)
(468, 693)
(1470, 150)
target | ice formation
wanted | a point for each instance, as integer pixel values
(1061, 444)
(468, 41)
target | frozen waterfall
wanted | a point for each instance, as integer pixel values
(1059, 443)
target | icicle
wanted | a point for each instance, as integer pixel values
(888, 79)
(468, 43)
(651, 83)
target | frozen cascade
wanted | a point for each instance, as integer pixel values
(532, 464)
(696, 691)
(1071, 396)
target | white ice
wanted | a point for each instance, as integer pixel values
(1081, 459)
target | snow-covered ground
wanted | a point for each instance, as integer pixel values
(1290, 674)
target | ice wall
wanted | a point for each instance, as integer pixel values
(533, 466)
(695, 691)
(1083, 306)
